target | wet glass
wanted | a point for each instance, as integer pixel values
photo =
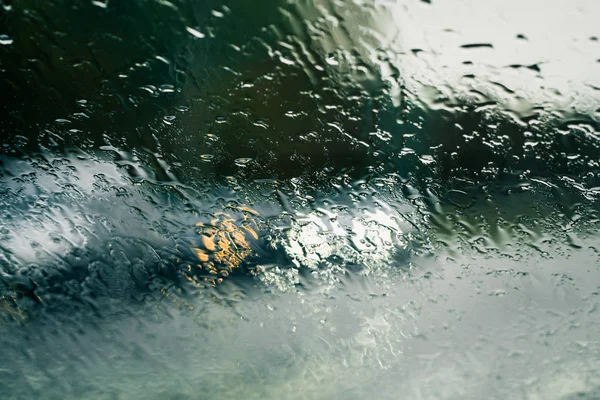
(309, 199)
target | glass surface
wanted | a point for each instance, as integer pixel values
(309, 199)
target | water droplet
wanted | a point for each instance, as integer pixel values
(167, 88)
(460, 198)
(332, 61)
(242, 162)
(476, 45)
(195, 33)
(168, 119)
(286, 60)
(5, 40)
(101, 4)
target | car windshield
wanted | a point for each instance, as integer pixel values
(299, 199)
